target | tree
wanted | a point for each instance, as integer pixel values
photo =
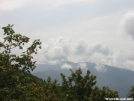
(11, 61)
(131, 92)
(13, 69)
(100, 94)
(82, 88)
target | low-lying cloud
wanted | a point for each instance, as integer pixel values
(55, 51)
(100, 67)
(66, 66)
(82, 65)
(66, 49)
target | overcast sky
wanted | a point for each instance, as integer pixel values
(98, 31)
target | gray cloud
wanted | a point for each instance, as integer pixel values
(131, 58)
(128, 23)
(98, 48)
(80, 47)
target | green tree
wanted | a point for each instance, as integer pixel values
(13, 69)
(131, 92)
(11, 61)
(99, 94)
(82, 88)
(51, 89)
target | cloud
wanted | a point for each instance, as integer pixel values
(10, 4)
(66, 66)
(88, 49)
(7, 5)
(82, 66)
(100, 67)
(67, 49)
(127, 23)
(65, 2)
(131, 58)
(55, 51)
(129, 64)
(98, 48)
(81, 47)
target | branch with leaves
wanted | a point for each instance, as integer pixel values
(12, 41)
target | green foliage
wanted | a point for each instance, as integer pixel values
(82, 88)
(100, 94)
(12, 40)
(51, 89)
(78, 87)
(15, 84)
(18, 84)
(131, 93)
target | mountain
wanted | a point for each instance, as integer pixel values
(113, 77)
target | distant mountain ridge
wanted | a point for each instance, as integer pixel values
(113, 77)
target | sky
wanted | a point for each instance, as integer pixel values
(97, 31)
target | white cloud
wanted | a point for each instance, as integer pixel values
(10, 4)
(66, 66)
(100, 67)
(51, 4)
(129, 64)
(55, 51)
(82, 66)
(63, 2)
(47, 4)
(67, 49)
